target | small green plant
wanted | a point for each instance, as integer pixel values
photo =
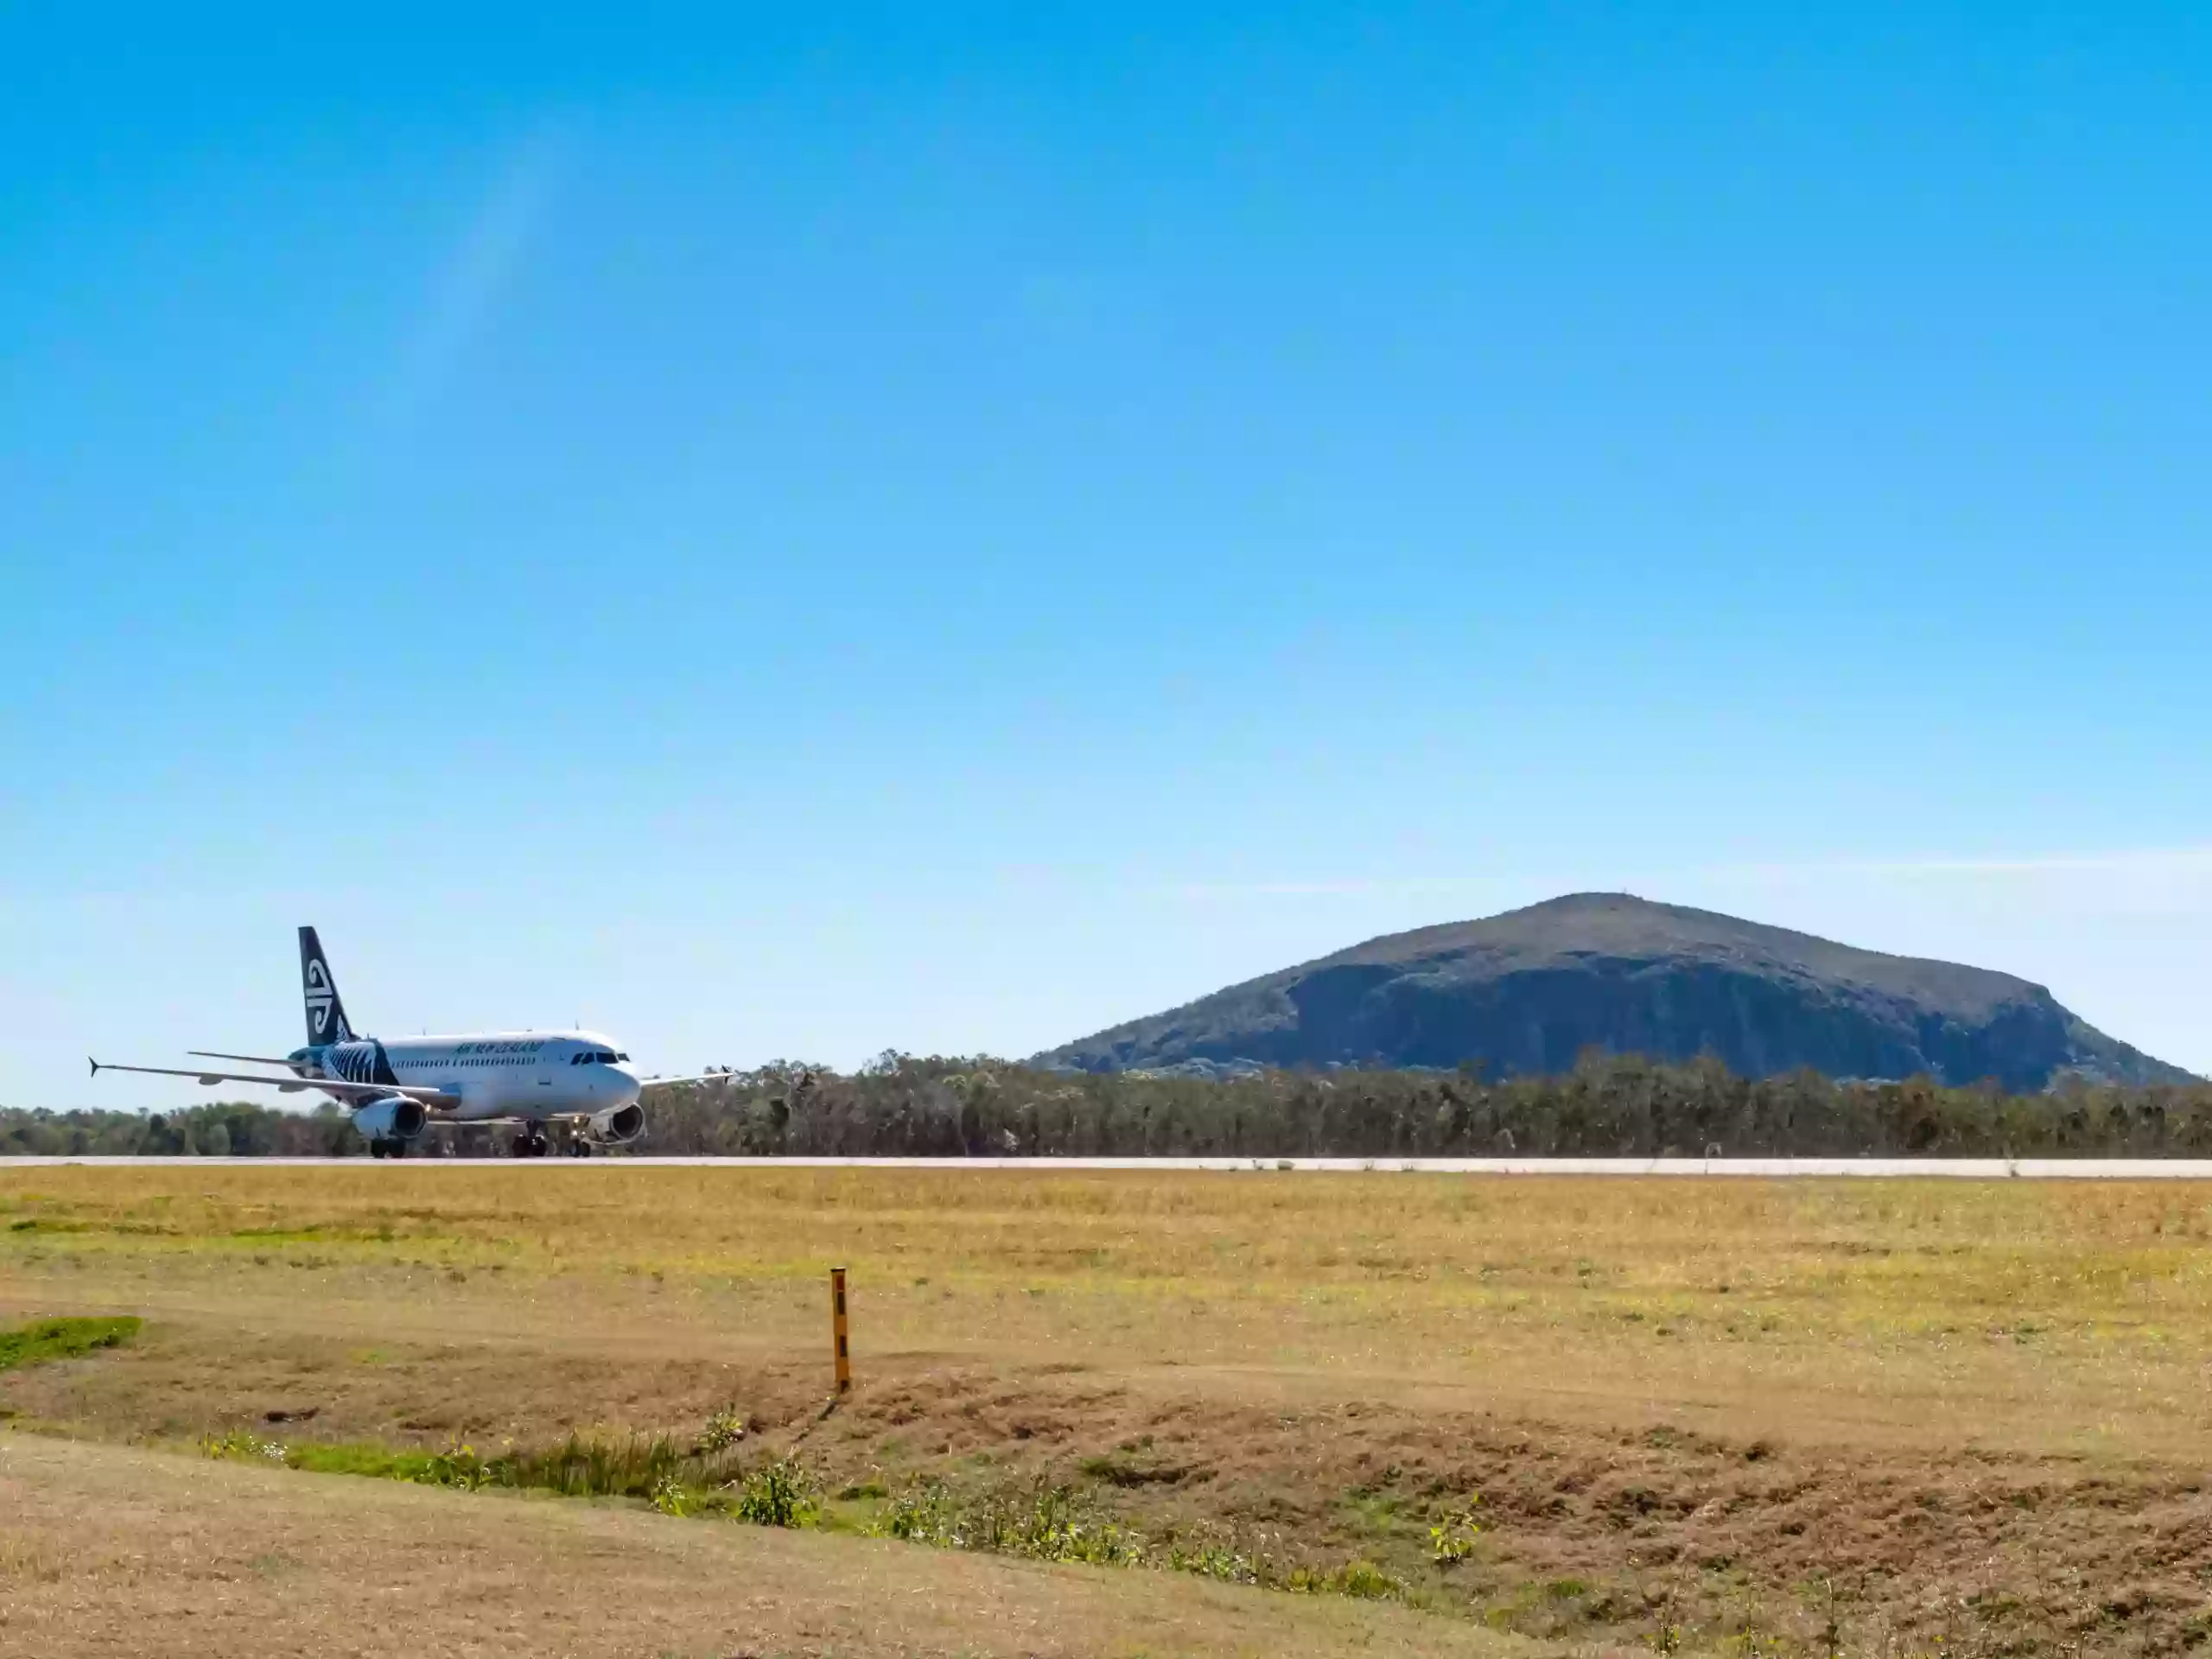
(1361, 1580)
(1043, 1522)
(922, 1514)
(780, 1493)
(724, 1429)
(242, 1446)
(1061, 1525)
(459, 1466)
(669, 1496)
(1365, 1581)
(1453, 1540)
(1214, 1560)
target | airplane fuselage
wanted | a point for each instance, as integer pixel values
(397, 1089)
(527, 1074)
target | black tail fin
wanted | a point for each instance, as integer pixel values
(326, 1013)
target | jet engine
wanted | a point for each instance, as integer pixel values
(618, 1126)
(395, 1117)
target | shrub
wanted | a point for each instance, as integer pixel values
(459, 1466)
(780, 1493)
(723, 1430)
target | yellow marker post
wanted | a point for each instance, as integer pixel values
(837, 1324)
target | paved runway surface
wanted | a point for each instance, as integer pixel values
(1973, 1169)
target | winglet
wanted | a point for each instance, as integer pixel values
(94, 1064)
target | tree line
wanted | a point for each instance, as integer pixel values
(1608, 1105)
(221, 1129)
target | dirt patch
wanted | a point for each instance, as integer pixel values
(183, 1380)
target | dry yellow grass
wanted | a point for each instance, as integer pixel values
(2017, 1315)
(111, 1551)
(1980, 1396)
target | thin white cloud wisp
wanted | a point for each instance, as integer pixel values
(464, 295)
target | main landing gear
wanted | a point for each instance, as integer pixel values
(534, 1142)
(392, 1148)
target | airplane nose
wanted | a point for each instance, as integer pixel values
(622, 1085)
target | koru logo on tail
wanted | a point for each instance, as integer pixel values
(320, 995)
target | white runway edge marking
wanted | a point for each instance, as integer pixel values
(1970, 1169)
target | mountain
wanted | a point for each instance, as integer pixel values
(1528, 992)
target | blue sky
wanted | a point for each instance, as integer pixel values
(796, 531)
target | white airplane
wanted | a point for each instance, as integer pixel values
(534, 1078)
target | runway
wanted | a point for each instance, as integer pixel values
(1967, 1169)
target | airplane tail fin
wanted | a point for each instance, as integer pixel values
(326, 1013)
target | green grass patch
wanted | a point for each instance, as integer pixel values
(327, 1458)
(66, 1225)
(675, 1478)
(65, 1339)
(378, 1462)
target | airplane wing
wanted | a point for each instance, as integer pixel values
(703, 1077)
(255, 1059)
(293, 1085)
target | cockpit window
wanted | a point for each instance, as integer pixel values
(597, 1057)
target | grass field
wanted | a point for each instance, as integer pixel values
(1796, 1417)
